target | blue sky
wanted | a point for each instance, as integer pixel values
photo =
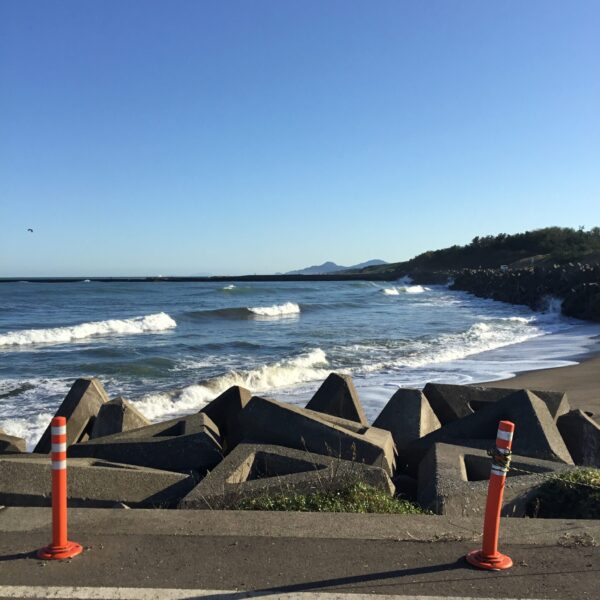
(183, 137)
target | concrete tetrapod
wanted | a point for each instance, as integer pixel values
(253, 470)
(453, 481)
(187, 444)
(337, 396)
(536, 433)
(80, 407)
(408, 416)
(270, 422)
(224, 411)
(116, 416)
(451, 402)
(11, 443)
(25, 480)
(582, 437)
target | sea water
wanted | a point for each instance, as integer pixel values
(172, 347)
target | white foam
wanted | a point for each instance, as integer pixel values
(415, 289)
(62, 335)
(30, 428)
(391, 291)
(404, 289)
(305, 367)
(229, 287)
(480, 337)
(277, 310)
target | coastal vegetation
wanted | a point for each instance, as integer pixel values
(571, 495)
(354, 497)
(537, 247)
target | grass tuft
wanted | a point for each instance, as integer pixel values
(563, 496)
(355, 497)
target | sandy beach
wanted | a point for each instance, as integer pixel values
(580, 381)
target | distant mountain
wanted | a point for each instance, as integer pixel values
(331, 267)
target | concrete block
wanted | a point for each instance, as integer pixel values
(253, 470)
(452, 402)
(582, 437)
(270, 422)
(80, 408)
(11, 443)
(187, 444)
(408, 416)
(26, 480)
(116, 416)
(224, 412)
(453, 481)
(536, 434)
(337, 396)
(349, 425)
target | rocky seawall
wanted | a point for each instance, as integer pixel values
(577, 285)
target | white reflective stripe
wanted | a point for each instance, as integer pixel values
(123, 593)
(59, 465)
(501, 472)
(505, 435)
(60, 430)
(62, 447)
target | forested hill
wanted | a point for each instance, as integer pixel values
(541, 247)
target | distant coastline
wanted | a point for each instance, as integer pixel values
(530, 269)
(211, 279)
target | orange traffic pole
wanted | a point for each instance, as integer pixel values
(488, 557)
(61, 547)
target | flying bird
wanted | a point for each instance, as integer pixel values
(31, 230)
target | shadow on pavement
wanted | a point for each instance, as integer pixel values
(18, 556)
(377, 580)
(340, 581)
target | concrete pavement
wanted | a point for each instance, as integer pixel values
(219, 554)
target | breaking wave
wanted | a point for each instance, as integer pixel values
(479, 337)
(284, 373)
(249, 312)
(62, 335)
(404, 289)
(277, 310)
(31, 428)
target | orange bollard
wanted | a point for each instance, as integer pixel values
(488, 557)
(61, 547)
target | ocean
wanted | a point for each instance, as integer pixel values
(172, 347)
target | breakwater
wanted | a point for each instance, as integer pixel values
(576, 285)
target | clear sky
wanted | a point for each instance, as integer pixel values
(183, 137)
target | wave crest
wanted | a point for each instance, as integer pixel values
(404, 289)
(62, 335)
(246, 312)
(277, 310)
(283, 373)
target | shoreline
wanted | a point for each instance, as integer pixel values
(581, 382)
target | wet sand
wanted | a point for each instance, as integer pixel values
(581, 382)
